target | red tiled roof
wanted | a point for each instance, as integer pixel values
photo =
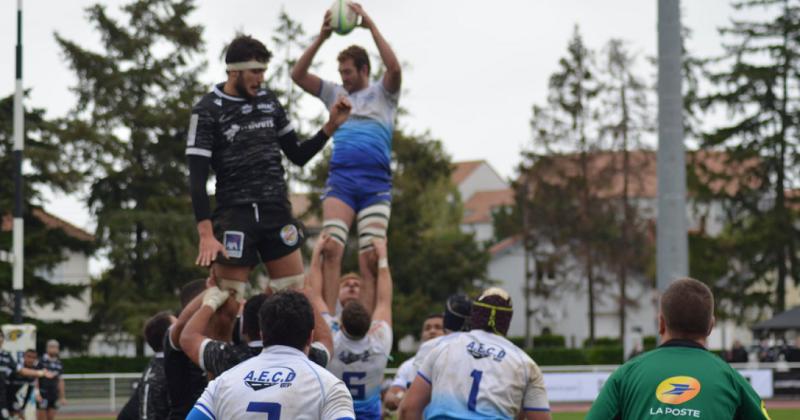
(478, 209)
(461, 170)
(504, 244)
(51, 222)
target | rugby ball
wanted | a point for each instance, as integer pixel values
(343, 18)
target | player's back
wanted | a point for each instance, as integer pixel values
(480, 375)
(361, 364)
(280, 382)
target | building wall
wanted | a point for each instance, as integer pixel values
(483, 178)
(75, 271)
(482, 231)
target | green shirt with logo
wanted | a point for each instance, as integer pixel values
(678, 380)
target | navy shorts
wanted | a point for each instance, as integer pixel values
(358, 189)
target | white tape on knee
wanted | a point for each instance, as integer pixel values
(337, 229)
(366, 235)
(235, 286)
(295, 282)
(375, 215)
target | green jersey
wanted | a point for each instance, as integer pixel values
(678, 380)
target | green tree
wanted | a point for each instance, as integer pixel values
(46, 168)
(755, 84)
(625, 121)
(129, 125)
(562, 210)
(430, 257)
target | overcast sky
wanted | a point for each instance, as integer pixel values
(476, 67)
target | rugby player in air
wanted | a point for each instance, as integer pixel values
(359, 185)
(240, 130)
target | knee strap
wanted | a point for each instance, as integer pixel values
(235, 286)
(373, 222)
(337, 229)
(296, 281)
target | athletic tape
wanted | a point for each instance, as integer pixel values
(235, 286)
(337, 229)
(295, 281)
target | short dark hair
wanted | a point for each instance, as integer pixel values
(357, 54)
(355, 319)
(688, 308)
(246, 48)
(155, 328)
(29, 351)
(286, 319)
(190, 290)
(250, 316)
(434, 315)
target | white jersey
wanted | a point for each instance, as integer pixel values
(480, 375)
(280, 382)
(360, 364)
(405, 374)
(423, 351)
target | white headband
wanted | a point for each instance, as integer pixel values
(246, 65)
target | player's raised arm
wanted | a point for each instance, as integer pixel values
(383, 287)
(310, 82)
(192, 337)
(313, 291)
(300, 152)
(393, 76)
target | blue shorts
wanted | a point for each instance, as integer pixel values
(358, 189)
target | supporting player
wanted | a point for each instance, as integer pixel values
(360, 179)
(22, 383)
(363, 342)
(479, 374)
(240, 130)
(432, 327)
(152, 390)
(51, 390)
(680, 379)
(280, 382)
(10, 371)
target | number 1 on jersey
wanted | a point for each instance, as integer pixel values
(473, 392)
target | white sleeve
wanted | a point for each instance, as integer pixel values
(422, 353)
(426, 368)
(405, 374)
(383, 334)
(393, 98)
(329, 91)
(338, 404)
(206, 402)
(535, 398)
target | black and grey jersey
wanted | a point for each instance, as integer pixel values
(153, 396)
(53, 364)
(218, 356)
(7, 363)
(240, 136)
(185, 381)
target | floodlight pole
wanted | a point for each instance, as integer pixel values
(672, 257)
(19, 144)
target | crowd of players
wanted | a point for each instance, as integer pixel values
(315, 344)
(33, 376)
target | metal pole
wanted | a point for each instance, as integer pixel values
(19, 144)
(672, 260)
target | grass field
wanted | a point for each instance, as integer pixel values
(776, 414)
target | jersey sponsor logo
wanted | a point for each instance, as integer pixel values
(247, 108)
(266, 108)
(347, 357)
(675, 412)
(234, 243)
(479, 350)
(278, 375)
(677, 390)
(230, 133)
(289, 235)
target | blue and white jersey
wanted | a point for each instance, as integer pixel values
(364, 141)
(405, 374)
(280, 383)
(360, 364)
(480, 375)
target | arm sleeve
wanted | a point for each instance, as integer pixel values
(750, 404)
(198, 176)
(426, 367)
(217, 357)
(405, 375)
(392, 98)
(607, 406)
(338, 404)
(328, 92)
(535, 398)
(318, 354)
(301, 152)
